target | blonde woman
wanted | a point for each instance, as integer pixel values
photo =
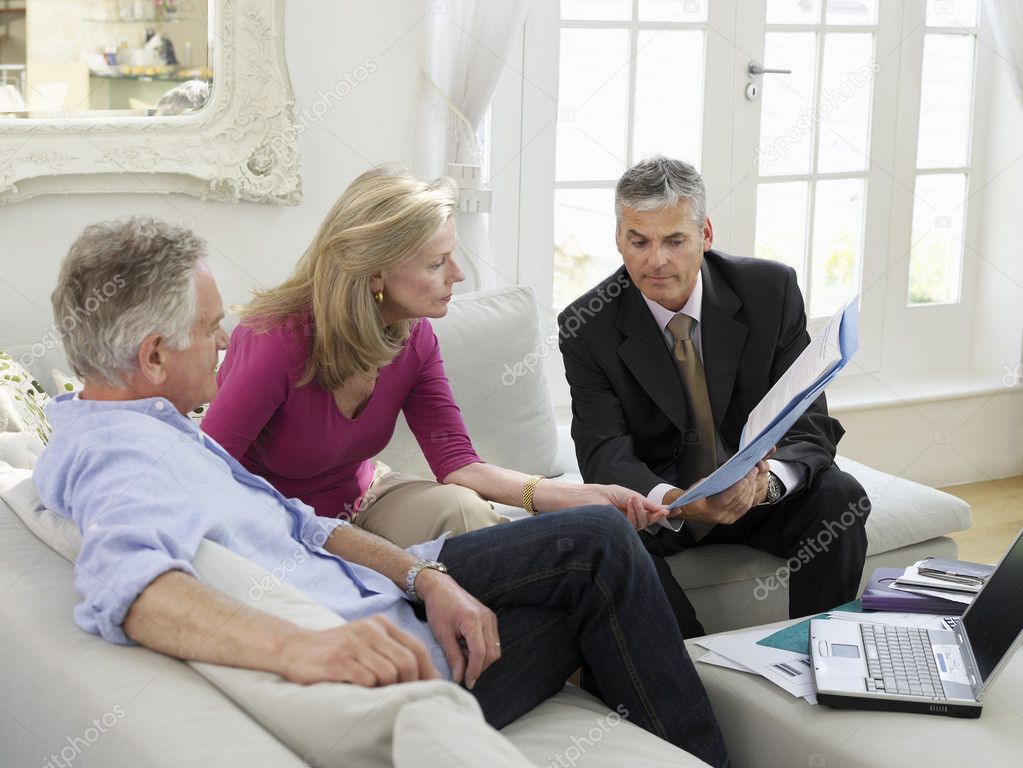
(320, 366)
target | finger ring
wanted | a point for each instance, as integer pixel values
(497, 642)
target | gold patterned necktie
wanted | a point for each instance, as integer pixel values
(701, 450)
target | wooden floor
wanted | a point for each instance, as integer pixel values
(997, 507)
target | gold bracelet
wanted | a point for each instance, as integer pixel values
(527, 493)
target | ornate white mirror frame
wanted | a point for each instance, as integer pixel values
(240, 146)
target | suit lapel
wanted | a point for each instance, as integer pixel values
(722, 338)
(646, 355)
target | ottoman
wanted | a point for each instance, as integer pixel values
(765, 727)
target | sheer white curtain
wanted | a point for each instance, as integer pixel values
(468, 43)
(1006, 17)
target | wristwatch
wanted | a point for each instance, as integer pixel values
(410, 577)
(775, 489)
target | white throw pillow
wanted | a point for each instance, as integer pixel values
(328, 724)
(493, 356)
(22, 400)
(64, 382)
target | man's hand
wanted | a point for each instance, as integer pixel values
(729, 505)
(465, 628)
(369, 652)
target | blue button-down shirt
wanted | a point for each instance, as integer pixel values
(145, 486)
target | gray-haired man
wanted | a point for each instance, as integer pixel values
(144, 487)
(664, 372)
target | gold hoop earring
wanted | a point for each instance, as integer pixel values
(378, 297)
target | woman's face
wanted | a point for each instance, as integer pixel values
(421, 286)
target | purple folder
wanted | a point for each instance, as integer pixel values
(879, 596)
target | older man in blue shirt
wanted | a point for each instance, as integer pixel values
(517, 608)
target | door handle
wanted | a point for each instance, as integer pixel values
(755, 69)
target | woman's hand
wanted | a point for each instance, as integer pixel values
(640, 511)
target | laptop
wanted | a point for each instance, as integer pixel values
(909, 669)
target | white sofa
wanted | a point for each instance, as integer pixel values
(58, 680)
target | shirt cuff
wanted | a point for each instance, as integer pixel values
(789, 474)
(656, 494)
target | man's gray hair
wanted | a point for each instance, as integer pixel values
(122, 281)
(660, 182)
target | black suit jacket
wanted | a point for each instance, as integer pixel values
(629, 416)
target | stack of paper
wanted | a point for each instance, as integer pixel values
(741, 651)
(952, 580)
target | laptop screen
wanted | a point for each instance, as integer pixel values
(995, 618)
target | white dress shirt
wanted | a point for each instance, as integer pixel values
(789, 474)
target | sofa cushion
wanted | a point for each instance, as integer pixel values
(904, 512)
(490, 342)
(20, 449)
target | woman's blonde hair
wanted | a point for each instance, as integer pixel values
(384, 217)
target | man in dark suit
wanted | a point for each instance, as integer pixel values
(667, 357)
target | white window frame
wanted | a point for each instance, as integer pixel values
(897, 339)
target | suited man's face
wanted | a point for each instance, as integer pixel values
(663, 251)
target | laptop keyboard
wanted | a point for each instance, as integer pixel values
(899, 660)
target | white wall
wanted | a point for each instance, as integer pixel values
(250, 244)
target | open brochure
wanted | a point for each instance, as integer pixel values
(786, 401)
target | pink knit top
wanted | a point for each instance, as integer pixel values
(297, 439)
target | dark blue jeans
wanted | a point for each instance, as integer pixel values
(577, 587)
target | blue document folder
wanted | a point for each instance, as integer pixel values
(753, 449)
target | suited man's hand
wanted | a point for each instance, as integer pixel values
(729, 505)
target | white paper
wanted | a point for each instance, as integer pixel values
(789, 671)
(955, 597)
(919, 620)
(913, 578)
(720, 661)
(823, 353)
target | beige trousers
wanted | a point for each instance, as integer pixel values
(407, 509)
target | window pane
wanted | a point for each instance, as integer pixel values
(669, 95)
(937, 250)
(844, 110)
(951, 13)
(851, 12)
(673, 10)
(837, 244)
(793, 12)
(584, 242)
(592, 104)
(786, 118)
(945, 101)
(781, 224)
(596, 10)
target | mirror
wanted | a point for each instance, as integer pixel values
(104, 57)
(185, 96)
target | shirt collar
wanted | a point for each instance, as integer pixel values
(70, 406)
(693, 307)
